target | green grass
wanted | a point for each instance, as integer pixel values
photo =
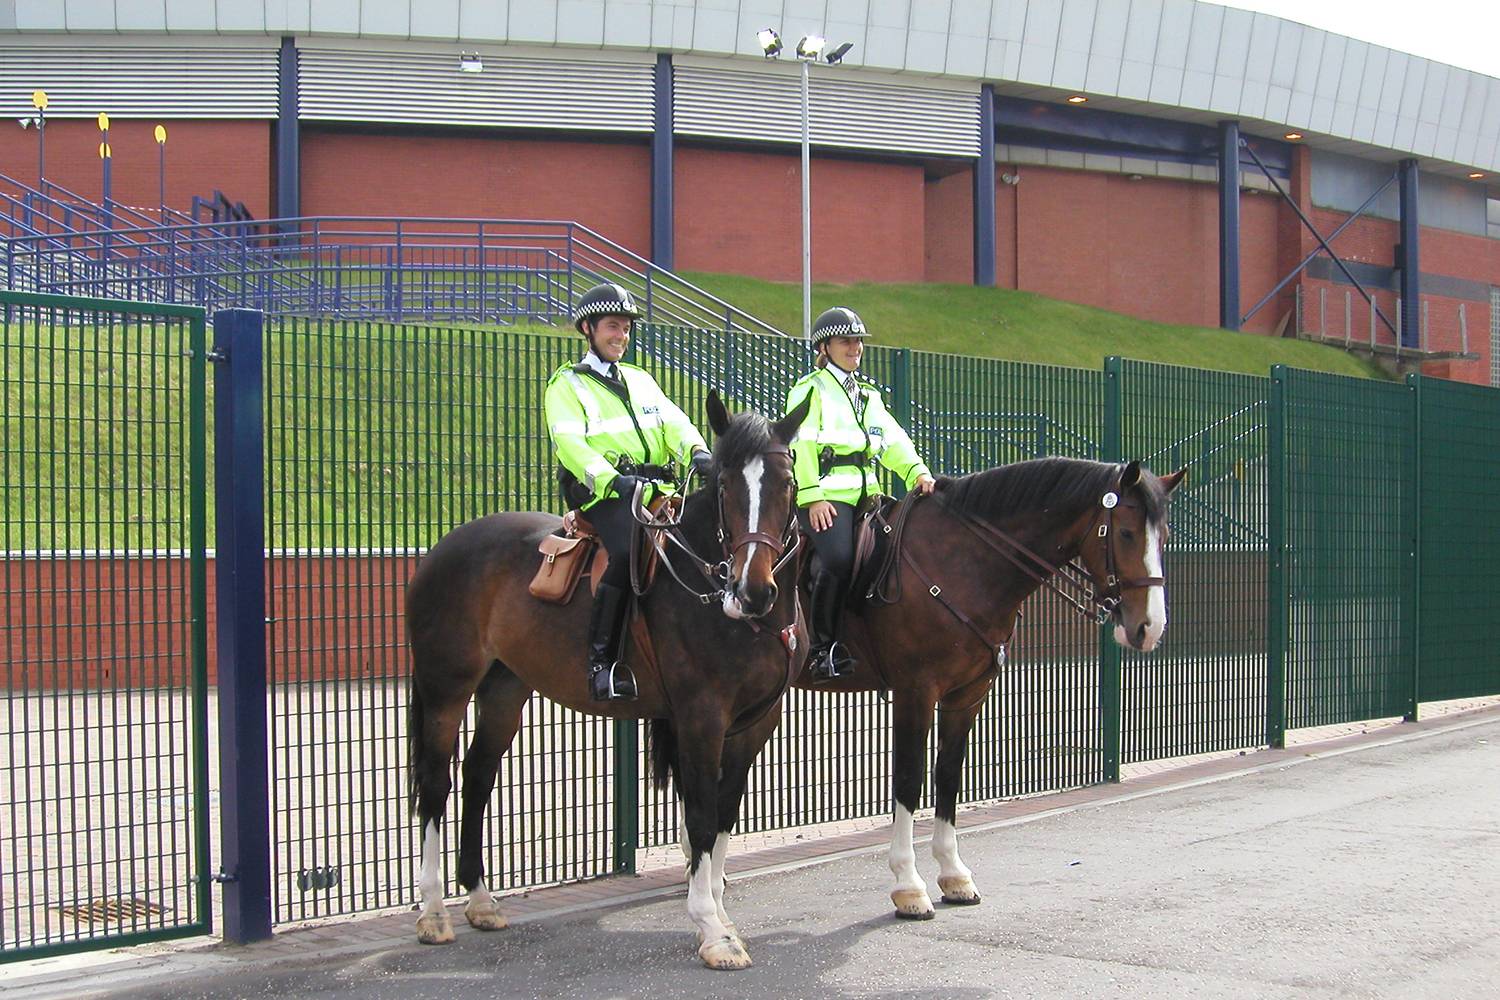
(1022, 326)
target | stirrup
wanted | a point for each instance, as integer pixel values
(612, 683)
(829, 663)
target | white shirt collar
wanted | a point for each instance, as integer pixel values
(597, 363)
(838, 372)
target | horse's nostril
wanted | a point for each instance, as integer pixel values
(1140, 633)
(771, 595)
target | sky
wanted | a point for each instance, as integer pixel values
(1462, 33)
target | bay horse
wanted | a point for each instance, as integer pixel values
(713, 687)
(963, 561)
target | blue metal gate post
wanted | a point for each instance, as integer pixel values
(1111, 710)
(1229, 225)
(239, 573)
(662, 242)
(1409, 260)
(288, 135)
(984, 191)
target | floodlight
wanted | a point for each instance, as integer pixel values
(770, 42)
(839, 52)
(469, 62)
(810, 47)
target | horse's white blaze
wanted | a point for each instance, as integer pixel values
(903, 857)
(430, 880)
(754, 470)
(1156, 597)
(945, 851)
(703, 904)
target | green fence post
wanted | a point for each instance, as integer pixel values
(1412, 599)
(1276, 570)
(627, 794)
(901, 403)
(1110, 707)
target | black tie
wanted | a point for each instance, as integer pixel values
(614, 371)
(855, 396)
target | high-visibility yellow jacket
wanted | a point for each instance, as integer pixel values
(593, 426)
(831, 424)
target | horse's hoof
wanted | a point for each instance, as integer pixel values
(487, 919)
(724, 953)
(959, 890)
(734, 932)
(913, 904)
(435, 928)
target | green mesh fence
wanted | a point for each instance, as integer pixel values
(1346, 594)
(104, 803)
(1204, 688)
(1459, 473)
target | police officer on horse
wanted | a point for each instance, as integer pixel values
(847, 430)
(614, 432)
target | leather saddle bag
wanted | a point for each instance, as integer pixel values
(563, 562)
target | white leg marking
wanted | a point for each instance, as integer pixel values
(433, 926)
(910, 893)
(721, 849)
(482, 913)
(954, 877)
(717, 945)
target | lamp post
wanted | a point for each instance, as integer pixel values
(161, 171)
(39, 101)
(808, 50)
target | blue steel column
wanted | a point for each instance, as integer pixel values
(288, 135)
(239, 574)
(984, 191)
(1229, 225)
(1411, 270)
(661, 167)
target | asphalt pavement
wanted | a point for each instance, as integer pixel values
(1366, 870)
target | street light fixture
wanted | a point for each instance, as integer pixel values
(770, 42)
(811, 46)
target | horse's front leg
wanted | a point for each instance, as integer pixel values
(954, 726)
(740, 752)
(912, 714)
(500, 700)
(699, 755)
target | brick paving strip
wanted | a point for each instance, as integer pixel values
(662, 871)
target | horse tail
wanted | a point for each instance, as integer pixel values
(415, 715)
(663, 744)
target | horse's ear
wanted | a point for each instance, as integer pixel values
(1173, 480)
(1130, 475)
(718, 417)
(786, 427)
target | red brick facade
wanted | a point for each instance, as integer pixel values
(202, 156)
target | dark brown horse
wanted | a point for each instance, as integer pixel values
(723, 660)
(968, 556)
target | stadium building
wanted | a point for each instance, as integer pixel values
(1170, 159)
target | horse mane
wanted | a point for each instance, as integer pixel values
(748, 435)
(1043, 483)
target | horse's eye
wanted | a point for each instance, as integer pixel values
(1127, 535)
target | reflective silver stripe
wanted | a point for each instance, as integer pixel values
(585, 398)
(842, 481)
(834, 435)
(569, 427)
(593, 471)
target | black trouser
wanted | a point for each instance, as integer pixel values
(615, 526)
(833, 548)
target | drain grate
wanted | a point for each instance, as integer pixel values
(110, 911)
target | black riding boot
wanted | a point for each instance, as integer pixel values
(609, 678)
(828, 657)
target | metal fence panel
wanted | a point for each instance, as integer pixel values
(1459, 473)
(104, 840)
(1204, 688)
(1349, 540)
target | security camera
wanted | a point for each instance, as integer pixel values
(24, 122)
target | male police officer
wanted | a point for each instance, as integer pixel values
(614, 430)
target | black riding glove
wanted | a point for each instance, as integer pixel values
(703, 464)
(624, 486)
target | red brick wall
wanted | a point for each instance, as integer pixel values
(740, 212)
(949, 228)
(232, 156)
(605, 186)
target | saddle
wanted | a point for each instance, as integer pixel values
(575, 551)
(876, 537)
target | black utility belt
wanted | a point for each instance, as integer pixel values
(661, 473)
(827, 460)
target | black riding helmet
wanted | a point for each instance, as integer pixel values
(607, 299)
(839, 321)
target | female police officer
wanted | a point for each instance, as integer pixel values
(613, 429)
(847, 430)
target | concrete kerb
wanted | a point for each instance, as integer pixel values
(99, 973)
